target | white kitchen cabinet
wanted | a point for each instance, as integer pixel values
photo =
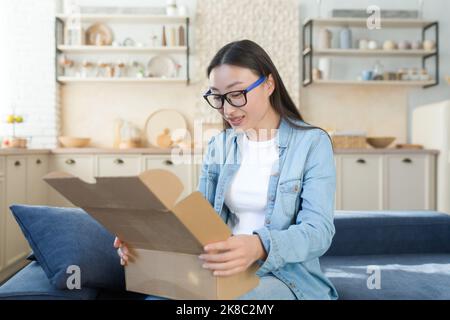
(37, 188)
(391, 181)
(410, 181)
(2, 221)
(2, 166)
(118, 165)
(16, 246)
(182, 171)
(359, 182)
(82, 166)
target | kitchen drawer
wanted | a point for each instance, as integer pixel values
(37, 188)
(81, 166)
(182, 171)
(360, 182)
(118, 165)
(409, 182)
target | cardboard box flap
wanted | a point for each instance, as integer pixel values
(165, 185)
(200, 218)
(118, 192)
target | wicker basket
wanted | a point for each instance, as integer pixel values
(349, 142)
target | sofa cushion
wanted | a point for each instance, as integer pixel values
(409, 276)
(390, 232)
(63, 237)
(31, 283)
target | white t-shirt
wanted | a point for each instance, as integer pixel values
(247, 193)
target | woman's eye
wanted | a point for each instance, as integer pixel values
(236, 95)
(217, 98)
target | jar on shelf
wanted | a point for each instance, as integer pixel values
(378, 71)
(171, 8)
(363, 44)
(119, 69)
(402, 74)
(424, 76)
(413, 74)
(86, 68)
(345, 38)
(325, 36)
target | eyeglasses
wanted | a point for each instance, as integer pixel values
(236, 98)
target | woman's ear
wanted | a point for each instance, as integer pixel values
(270, 84)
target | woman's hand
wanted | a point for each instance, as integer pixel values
(122, 251)
(233, 255)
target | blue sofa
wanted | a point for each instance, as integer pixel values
(374, 255)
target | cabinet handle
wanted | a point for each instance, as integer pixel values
(70, 161)
(17, 163)
(38, 161)
(118, 161)
(361, 161)
(168, 162)
(407, 160)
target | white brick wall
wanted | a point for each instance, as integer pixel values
(27, 64)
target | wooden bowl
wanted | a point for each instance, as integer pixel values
(380, 142)
(73, 142)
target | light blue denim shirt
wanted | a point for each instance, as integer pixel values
(298, 225)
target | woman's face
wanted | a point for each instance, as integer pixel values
(226, 78)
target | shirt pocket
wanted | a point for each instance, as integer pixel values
(290, 196)
(211, 184)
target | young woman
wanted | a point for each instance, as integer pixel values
(270, 176)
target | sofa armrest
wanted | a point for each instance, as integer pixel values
(390, 232)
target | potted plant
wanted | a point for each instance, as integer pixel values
(13, 141)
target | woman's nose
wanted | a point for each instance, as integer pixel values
(228, 109)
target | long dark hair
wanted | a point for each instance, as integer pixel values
(248, 54)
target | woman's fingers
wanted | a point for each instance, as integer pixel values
(219, 257)
(223, 266)
(227, 273)
(122, 251)
(117, 242)
(122, 254)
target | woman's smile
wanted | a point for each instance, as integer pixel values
(235, 121)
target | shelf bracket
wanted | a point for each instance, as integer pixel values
(434, 25)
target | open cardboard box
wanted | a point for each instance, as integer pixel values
(165, 235)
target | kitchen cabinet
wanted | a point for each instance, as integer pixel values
(20, 183)
(118, 165)
(409, 182)
(81, 166)
(2, 211)
(15, 245)
(390, 181)
(2, 166)
(359, 182)
(37, 188)
(183, 170)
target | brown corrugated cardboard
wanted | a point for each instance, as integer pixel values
(165, 234)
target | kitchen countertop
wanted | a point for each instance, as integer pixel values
(166, 151)
(386, 151)
(22, 151)
(150, 150)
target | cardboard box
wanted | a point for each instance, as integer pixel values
(165, 235)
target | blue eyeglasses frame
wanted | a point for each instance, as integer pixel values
(224, 96)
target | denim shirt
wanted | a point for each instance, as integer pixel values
(298, 226)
